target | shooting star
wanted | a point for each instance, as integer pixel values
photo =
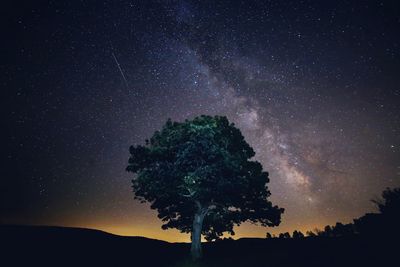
(120, 70)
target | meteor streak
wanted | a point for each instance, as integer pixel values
(120, 70)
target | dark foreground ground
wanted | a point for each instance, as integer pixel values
(59, 246)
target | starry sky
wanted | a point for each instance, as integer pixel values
(314, 87)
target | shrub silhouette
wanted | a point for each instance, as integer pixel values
(284, 235)
(297, 234)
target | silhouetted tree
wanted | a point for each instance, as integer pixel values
(337, 230)
(268, 235)
(327, 231)
(387, 221)
(341, 229)
(390, 205)
(284, 235)
(310, 234)
(369, 224)
(297, 234)
(318, 232)
(199, 177)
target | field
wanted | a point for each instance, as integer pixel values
(54, 246)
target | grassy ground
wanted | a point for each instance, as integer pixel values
(54, 246)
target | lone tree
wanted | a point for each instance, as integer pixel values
(199, 177)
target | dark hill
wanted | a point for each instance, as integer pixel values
(52, 246)
(55, 246)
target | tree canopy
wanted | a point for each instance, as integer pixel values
(202, 166)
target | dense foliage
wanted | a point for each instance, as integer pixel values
(202, 166)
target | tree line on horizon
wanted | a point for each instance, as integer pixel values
(384, 223)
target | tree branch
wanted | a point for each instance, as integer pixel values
(214, 205)
(199, 207)
(191, 193)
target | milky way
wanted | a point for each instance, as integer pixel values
(312, 87)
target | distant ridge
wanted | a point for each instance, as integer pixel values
(8, 229)
(24, 245)
(56, 245)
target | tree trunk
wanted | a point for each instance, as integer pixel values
(196, 236)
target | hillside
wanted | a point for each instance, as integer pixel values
(76, 246)
(53, 246)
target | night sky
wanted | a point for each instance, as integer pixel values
(314, 86)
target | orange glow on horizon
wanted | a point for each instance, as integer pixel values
(245, 231)
(150, 227)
